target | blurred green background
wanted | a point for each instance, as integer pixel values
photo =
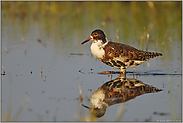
(131, 19)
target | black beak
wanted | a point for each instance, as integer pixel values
(89, 39)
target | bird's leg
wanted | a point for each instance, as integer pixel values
(111, 75)
(124, 72)
(133, 72)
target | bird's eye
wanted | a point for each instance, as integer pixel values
(96, 34)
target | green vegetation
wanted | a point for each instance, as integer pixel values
(132, 19)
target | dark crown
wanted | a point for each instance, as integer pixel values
(99, 32)
(99, 35)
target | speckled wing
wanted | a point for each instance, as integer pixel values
(113, 49)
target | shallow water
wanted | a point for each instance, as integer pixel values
(51, 43)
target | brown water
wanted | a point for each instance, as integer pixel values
(47, 36)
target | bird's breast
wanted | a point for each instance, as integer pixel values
(97, 50)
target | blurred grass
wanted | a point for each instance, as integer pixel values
(134, 19)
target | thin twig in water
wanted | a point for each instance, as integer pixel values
(81, 70)
(80, 94)
(41, 69)
(3, 71)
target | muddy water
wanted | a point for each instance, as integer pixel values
(45, 64)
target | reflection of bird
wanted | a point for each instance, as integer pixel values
(116, 91)
(117, 55)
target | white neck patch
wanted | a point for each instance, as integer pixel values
(97, 48)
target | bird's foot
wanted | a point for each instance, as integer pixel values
(123, 73)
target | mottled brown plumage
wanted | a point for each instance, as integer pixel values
(113, 49)
(117, 55)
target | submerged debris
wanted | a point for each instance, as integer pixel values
(76, 54)
(80, 94)
(5, 51)
(40, 41)
(81, 70)
(168, 91)
(3, 71)
(45, 77)
(41, 69)
(25, 50)
(161, 113)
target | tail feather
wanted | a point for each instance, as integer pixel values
(151, 55)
